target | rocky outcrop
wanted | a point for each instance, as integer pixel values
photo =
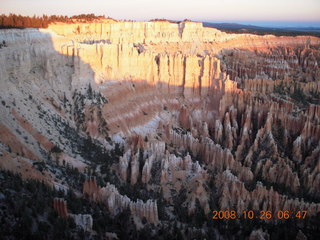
(184, 118)
(157, 32)
(146, 171)
(144, 32)
(213, 155)
(83, 221)
(132, 159)
(179, 173)
(265, 153)
(259, 235)
(310, 172)
(116, 202)
(234, 195)
(176, 174)
(60, 206)
(275, 63)
(124, 164)
(313, 113)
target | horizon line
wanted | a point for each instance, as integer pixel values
(173, 19)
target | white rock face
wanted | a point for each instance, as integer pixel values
(83, 221)
(135, 168)
(146, 171)
(117, 203)
(124, 164)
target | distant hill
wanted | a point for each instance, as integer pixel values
(241, 28)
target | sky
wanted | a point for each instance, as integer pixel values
(303, 12)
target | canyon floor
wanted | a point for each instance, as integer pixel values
(158, 130)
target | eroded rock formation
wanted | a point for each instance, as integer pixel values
(116, 202)
(176, 114)
(83, 221)
(60, 206)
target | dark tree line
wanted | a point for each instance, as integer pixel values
(19, 21)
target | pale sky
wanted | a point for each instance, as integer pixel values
(202, 10)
